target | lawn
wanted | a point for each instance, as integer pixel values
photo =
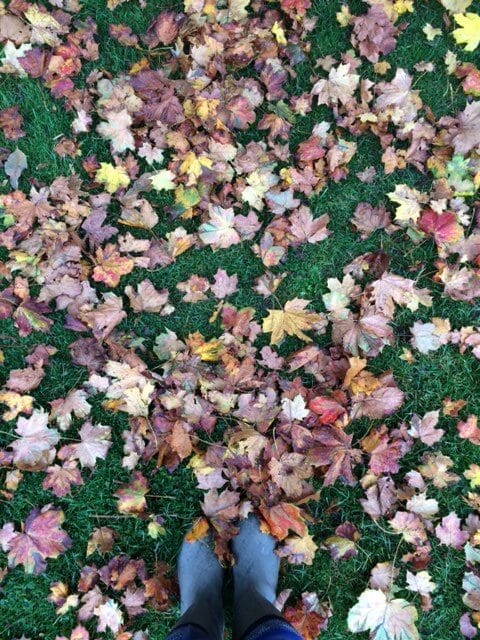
(426, 379)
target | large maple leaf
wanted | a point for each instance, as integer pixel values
(292, 320)
(386, 619)
(42, 538)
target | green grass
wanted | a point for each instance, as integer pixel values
(425, 383)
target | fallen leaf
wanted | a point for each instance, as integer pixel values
(292, 320)
(468, 33)
(14, 166)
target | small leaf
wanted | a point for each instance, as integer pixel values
(14, 166)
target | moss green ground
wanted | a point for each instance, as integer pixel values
(23, 605)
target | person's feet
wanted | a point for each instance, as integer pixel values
(256, 564)
(200, 577)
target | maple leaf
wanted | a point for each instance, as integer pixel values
(473, 474)
(282, 518)
(444, 227)
(131, 496)
(45, 27)
(382, 576)
(295, 409)
(469, 430)
(449, 532)
(468, 134)
(112, 177)
(111, 266)
(339, 87)
(298, 549)
(391, 289)
(367, 219)
(468, 33)
(334, 451)
(292, 320)
(148, 299)
(436, 467)
(375, 397)
(456, 6)
(289, 472)
(327, 408)
(380, 498)
(308, 616)
(101, 540)
(34, 449)
(16, 404)
(42, 538)
(75, 403)
(163, 180)
(11, 121)
(374, 33)
(430, 336)
(410, 526)
(424, 428)
(60, 478)
(423, 506)
(420, 582)
(221, 506)
(193, 166)
(386, 619)
(409, 201)
(305, 228)
(342, 545)
(340, 294)
(224, 285)
(109, 616)
(94, 444)
(247, 442)
(219, 230)
(106, 316)
(117, 130)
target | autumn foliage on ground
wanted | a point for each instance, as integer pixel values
(285, 398)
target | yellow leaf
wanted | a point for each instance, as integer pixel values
(382, 67)
(456, 6)
(473, 474)
(198, 531)
(209, 351)
(292, 320)
(193, 165)
(163, 180)
(155, 529)
(431, 32)
(300, 548)
(45, 26)
(112, 177)
(402, 6)
(408, 200)
(344, 17)
(469, 31)
(16, 404)
(451, 62)
(279, 33)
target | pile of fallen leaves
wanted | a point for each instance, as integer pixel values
(174, 124)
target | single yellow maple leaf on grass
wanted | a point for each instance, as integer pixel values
(468, 33)
(292, 320)
(112, 177)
